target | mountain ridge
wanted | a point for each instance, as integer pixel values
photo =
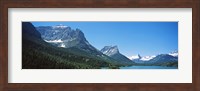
(161, 59)
(72, 43)
(38, 54)
(113, 52)
(64, 36)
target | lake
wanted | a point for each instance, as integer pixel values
(148, 67)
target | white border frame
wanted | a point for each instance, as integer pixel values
(17, 75)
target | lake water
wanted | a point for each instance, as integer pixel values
(148, 67)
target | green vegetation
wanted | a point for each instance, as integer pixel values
(168, 64)
(36, 54)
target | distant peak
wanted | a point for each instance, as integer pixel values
(107, 46)
(135, 57)
(174, 53)
(115, 46)
(147, 58)
(78, 30)
(139, 56)
(110, 50)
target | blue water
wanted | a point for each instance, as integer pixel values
(148, 67)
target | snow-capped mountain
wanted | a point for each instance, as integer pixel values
(138, 57)
(163, 58)
(135, 57)
(53, 57)
(110, 50)
(147, 58)
(64, 36)
(170, 57)
(174, 53)
(113, 52)
(59, 26)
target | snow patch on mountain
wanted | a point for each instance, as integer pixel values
(135, 57)
(110, 50)
(138, 57)
(174, 53)
(147, 58)
(59, 26)
(54, 41)
(62, 45)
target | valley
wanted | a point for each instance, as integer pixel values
(61, 47)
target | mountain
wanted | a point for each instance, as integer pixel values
(174, 53)
(64, 36)
(73, 41)
(170, 59)
(163, 58)
(147, 58)
(38, 54)
(113, 52)
(28, 30)
(140, 59)
(110, 50)
(135, 57)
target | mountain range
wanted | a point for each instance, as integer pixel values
(113, 52)
(40, 51)
(66, 37)
(170, 59)
(60, 46)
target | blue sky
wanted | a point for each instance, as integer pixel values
(132, 38)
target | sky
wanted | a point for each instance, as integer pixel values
(132, 38)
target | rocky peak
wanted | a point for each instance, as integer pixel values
(63, 36)
(174, 53)
(110, 50)
(139, 57)
(29, 30)
(135, 57)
